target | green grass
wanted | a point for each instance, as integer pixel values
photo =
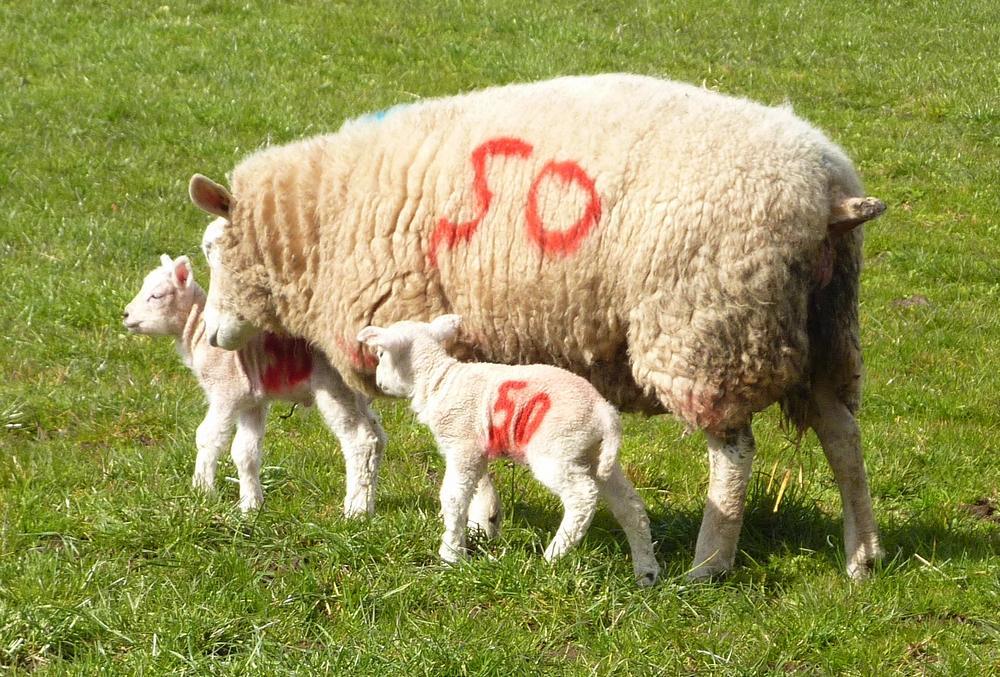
(108, 559)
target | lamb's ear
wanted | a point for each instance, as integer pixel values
(371, 336)
(182, 272)
(445, 327)
(209, 196)
(166, 261)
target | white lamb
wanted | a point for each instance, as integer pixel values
(546, 417)
(240, 386)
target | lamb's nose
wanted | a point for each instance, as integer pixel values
(125, 315)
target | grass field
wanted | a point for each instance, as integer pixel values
(108, 560)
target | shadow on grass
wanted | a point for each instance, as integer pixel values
(799, 527)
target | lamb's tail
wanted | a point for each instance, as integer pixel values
(611, 424)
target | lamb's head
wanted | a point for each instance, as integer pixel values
(239, 299)
(162, 305)
(397, 347)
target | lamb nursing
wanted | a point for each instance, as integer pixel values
(683, 251)
(240, 387)
(547, 418)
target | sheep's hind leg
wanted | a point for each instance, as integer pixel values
(247, 451)
(630, 511)
(462, 474)
(361, 438)
(485, 512)
(730, 457)
(212, 436)
(840, 437)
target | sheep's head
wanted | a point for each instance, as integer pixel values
(394, 346)
(238, 296)
(162, 305)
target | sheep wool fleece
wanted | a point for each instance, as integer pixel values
(664, 241)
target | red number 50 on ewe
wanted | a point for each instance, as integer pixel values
(449, 234)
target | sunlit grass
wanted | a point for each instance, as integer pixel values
(109, 560)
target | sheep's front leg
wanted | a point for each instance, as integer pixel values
(840, 437)
(211, 438)
(463, 471)
(730, 458)
(248, 447)
(361, 438)
(485, 513)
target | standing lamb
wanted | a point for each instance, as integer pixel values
(241, 385)
(682, 250)
(548, 418)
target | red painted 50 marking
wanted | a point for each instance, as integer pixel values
(516, 425)
(449, 234)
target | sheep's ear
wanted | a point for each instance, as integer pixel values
(182, 272)
(209, 196)
(445, 327)
(370, 336)
(166, 261)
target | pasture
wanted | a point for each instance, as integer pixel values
(109, 560)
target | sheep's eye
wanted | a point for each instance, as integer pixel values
(156, 296)
(378, 353)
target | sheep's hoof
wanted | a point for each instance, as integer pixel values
(357, 510)
(706, 573)
(864, 563)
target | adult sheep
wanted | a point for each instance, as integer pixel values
(685, 251)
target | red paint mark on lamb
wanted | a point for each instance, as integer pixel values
(520, 420)
(562, 242)
(449, 233)
(289, 363)
(360, 357)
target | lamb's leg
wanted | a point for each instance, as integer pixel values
(578, 492)
(248, 448)
(629, 510)
(462, 473)
(730, 458)
(361, 438)
(211, 438)
(840, 437)
(485, 513)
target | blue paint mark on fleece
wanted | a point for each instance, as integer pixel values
(380, 115)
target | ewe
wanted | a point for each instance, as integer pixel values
(545, 417)
(241, 385)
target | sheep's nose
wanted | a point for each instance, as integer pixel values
(125, 314)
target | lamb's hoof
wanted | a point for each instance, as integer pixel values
(647, 577)
(203, 483)
(451, 555)
(250, 503)
(488, 528)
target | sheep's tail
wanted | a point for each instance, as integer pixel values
(849, 213)
(611, 425)
(832, 324)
